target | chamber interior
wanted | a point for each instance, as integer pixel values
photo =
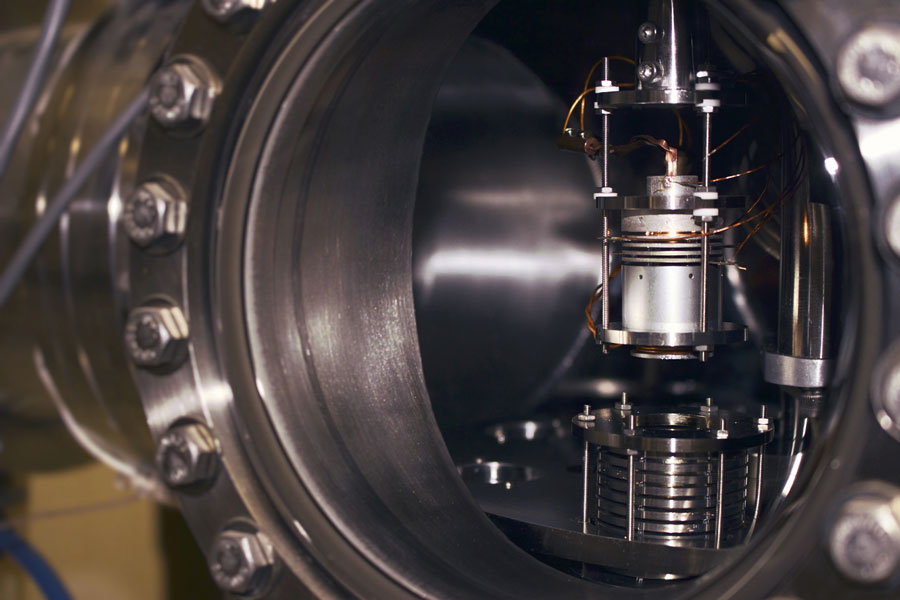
(655, 445)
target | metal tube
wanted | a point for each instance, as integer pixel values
(670, 52)
(806, 272)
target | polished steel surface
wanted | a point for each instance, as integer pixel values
(794, 371)
(61, 332)
(670, 53)
(504, 242)
(301, 276)
(807, 265)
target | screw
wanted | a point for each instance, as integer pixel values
(648, 72)
(586, 414)
(647, 33)
(182, 93)
(708, 408)
(241, 562)
(155, 212)
(623, 406)
(722, 433)
(225, 10)
(868, 65)
(156, 335)
(763, 421)
(865, 540)
(187, 455)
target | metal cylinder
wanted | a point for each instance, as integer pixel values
(674, 476)
(667, 62)
(662, 278)
(806, 280)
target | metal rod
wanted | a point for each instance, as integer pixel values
(631, 482)
(587, 460)
(720, 493)
(704, 274)
(707, 117)
(604, 274)
(631, 495)
(605, 136)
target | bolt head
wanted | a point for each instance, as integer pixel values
(187, 455)
(648, 72)
(865, 540)
(156, 212)
(868, 65)
(647, 33)
(226, 10)
(182, 93)
(156, 335)
(241, 562)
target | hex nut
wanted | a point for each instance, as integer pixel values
(868, 65)
(241, 562)
(647, 33)
(182, 93)
(187, 455)
(156, 335)
(156, 213)
(864, 542)
(226, 10)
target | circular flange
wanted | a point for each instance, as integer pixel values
(683, 430)
(729, 333)
(668, 202)
(662, 97)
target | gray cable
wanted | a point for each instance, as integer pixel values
(54, 17)
(30, 246)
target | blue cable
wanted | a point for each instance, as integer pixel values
(34, 564)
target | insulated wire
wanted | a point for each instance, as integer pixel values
(39, 232)
(54, 17)
(34, 564)
(587, 80)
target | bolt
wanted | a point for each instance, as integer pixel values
(187, 455)
(586, 414)
(722, 433)
(865, 539)
(708, 408)
(623, 406)
(182, 93)
(868, 65)
(763, 422)
(226, 10)
(156, 335)
(241, 562)
(647, 33)
(155, 212)
(648, 72)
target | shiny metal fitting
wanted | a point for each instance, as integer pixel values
(226, 10)
(182, 93)
(187, 455)
(241, 562)
(647, 33)
(649, 72)
(156, 335)
(868, 65)
(156, 213)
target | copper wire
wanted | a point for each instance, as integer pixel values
(587, 81)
